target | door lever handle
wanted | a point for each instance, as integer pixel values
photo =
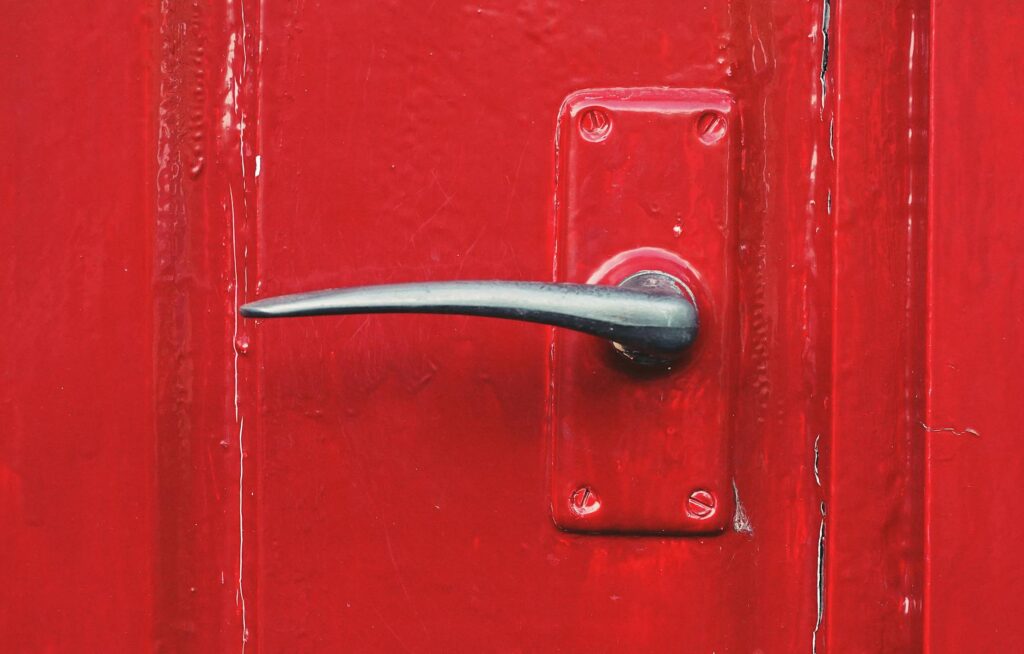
(651, 314)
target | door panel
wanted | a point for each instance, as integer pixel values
(176, 478)
(402, 460)
(975, 384)
(77, 501)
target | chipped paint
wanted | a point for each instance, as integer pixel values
(740, 521)
(966, 431)
(817, 476)
(826, 16)
(820, 582)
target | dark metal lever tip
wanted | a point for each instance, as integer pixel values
(260, 309)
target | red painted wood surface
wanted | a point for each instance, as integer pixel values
(77, 465)
(172, 478)
(402, 476)
(872, 517)
(975, 385)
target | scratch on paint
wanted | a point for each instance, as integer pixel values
(820, 595)
(240, 598)
(240, 290)
(832, 137)
(740, 521)
(967, 431)
(391, 629)
(820, 585)
(826, 15)
(817, 477)
(241, 115)
(234, 288)
(239, 593)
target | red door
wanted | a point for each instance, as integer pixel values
(830, 465)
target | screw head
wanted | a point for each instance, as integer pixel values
(595, 124)
(701, 505)
(711, 127)
(584, 501)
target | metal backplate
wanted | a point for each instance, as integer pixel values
(646, 180)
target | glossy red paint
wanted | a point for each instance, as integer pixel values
(174, 478)
(975, 383)
(118, 446)
(403, 476)
(872, 516)
(77, 470)
(655, 191)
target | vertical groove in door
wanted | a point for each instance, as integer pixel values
(205, 201)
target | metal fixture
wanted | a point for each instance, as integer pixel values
(649, 317)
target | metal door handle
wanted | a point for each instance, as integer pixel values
(649, 313)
